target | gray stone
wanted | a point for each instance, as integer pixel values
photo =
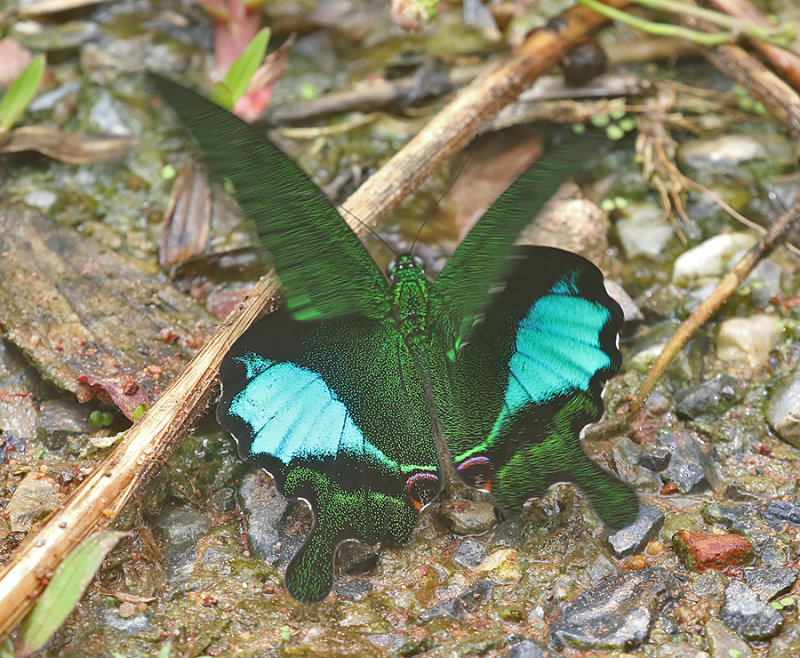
(32, 500)
(754, 529)
(457, 607)
(770, 582)
(530, 649)
(723, 642)
(710, 259)
(470, 554)
(740, 158)
(709, 583)
(630, 311)
(105, 117)
(783, 412)
(724, 515)
(655, 458)
(642, 230)
(787, 643)
(781, 512)
(711, 398)
(60, 420)
(269, 515)
(18, 414)
(633, 538)
(689, 467)
(618, 614)
(354, 589)
(41, 199)
(468, 517)
(775, 553)
(764, 281)
(354, 557)
(746, 614)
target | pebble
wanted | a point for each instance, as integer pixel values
(723, 642)
(618, 614)
(701, 551)
(710, 259)
(783, 412)
(642, 231)
(711, 398)
(655, 458)
(748, 615)
(787, 643)
(770, 582)
(633, 538)
(689, 467)
(747, 342)
(468, 517)
(679, 650)
(41, 199)
(781, 512)
(32, 500)
(459, 606)
(630, 311)
(60, 420)
(470, 554)
(354, 589)
(268, 513)
(530, 649)
(503, 565)
(741, 158)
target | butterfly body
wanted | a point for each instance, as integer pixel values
(364, 396)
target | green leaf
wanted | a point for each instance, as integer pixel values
(20, 93)
(7, 648)
(165, 651)
(65, 589)
(232, 88)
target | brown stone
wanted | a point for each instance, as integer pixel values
(701, 551)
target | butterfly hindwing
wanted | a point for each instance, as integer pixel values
(530, 378)
(335, 412)
(289, 211)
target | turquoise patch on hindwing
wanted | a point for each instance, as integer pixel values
(557, 351)
(295, 415)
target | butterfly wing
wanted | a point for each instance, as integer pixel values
(335, 411)
(530, 378)
(324, 268)
(481, 262)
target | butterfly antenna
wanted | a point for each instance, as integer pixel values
(439, 201)
(372, 231)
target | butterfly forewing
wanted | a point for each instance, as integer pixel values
(324, 268)
(335, 412)
(529, 379)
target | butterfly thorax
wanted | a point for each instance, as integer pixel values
(411, 297)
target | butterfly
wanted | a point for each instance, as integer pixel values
(366, 391)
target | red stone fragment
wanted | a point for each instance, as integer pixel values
(701, 552)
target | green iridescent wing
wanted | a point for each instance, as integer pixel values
(322, 278)
(334, 410)
(480, 263)
(530, 377)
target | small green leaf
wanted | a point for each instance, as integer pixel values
(614, 132)
(578, 128)
(139, 411)
(20, 93)
(165, 651)
(620, 202)
(168, 172)
(617, 114)
(101, 418)
(286, 633)
(734, 653)
(308, 91)
(627, 124)
(608, 205)
(601, 120)
(241, 72)
(7, 648)
(787, 602)
(65, 589)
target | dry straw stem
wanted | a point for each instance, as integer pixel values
(97, 501)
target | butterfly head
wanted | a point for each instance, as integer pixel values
(403, 266)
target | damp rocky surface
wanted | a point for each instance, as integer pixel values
(709, 569)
